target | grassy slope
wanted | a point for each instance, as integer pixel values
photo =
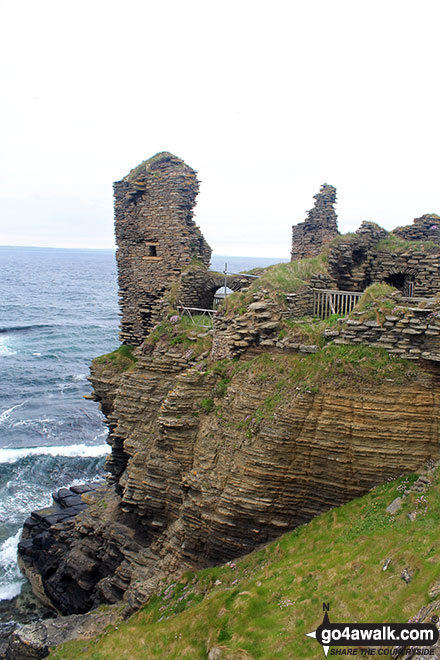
(268, 600)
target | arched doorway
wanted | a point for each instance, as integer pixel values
(403, 281)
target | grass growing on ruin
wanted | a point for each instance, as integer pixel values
(377, 302)
(259, 607)
(140, 169)
(121, 359)
(278, 279)
(394, 244)
(344, 238)
(292, 276)
(308, 330)
(182, 330)
(339, 365)
(375, 293)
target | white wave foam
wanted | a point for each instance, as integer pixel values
(34, 423)
(6, 413)
(93, 451)
(11, 580)
(5, 349)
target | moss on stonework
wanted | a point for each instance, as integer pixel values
(396, 245)
(154, 160)
(292, 276)
(121, 359)
(189, 333)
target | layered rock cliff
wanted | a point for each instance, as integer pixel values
(221, 439)
(211, 459)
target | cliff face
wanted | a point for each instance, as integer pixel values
(211, 460)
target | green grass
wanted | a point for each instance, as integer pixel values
(140, 169)
(349, 237)
(277, 280)
(308, 330)
(396, 245)
(292, 276)
(377, 302)
(341, 365)
(192, 334)
(264, 603)
(120, 360)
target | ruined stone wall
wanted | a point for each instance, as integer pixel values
(357, 260)
(309, 237)
(156, 238)
(412, 333)
(198, 286)
(425, 228)
(260, 323)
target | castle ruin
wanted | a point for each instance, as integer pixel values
(156, 238)
(163, 258)
(321, 225)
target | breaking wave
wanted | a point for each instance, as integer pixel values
(12, 455)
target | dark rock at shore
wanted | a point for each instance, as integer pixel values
(19, 611)
(33, 641)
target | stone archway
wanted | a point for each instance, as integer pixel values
(402, 278)
(197, 287)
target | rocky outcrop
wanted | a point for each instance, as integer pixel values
(40, 533)
(218, 462)
(34, 641)
(310, 237)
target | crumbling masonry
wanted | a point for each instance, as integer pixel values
(309, 237)
(156, 239)
(163, 258)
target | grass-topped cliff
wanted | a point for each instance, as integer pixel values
(261, 606)
(223, 438)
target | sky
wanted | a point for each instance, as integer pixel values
(266, 101)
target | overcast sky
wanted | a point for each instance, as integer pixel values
(266, 100)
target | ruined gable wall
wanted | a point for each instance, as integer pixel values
(357, 260)
(156, 238)
(425, 228)
(309, 237)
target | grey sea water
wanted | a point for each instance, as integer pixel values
(58, 310)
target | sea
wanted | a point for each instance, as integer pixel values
(58, 310)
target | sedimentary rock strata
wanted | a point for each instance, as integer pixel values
(205, 483)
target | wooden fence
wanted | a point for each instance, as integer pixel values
(327, 302)
(196, 311)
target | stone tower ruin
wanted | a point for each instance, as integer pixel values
(321, 225)
(156, 239)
